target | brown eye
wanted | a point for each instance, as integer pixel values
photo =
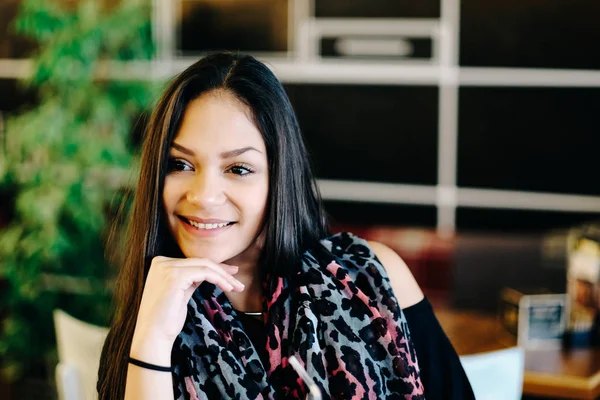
(176, 165)
(240, 170)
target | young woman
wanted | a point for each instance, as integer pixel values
(229, 270)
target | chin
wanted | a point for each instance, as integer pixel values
(213, 255)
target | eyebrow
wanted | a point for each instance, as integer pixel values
(225, 154)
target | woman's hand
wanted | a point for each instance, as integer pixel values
(168, 289)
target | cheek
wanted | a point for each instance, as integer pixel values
(255, 202)
(170, 194)
(262, 198)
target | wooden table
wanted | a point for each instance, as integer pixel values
(556, 373)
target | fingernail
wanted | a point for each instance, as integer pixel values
(229, 287)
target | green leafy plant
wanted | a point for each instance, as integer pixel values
(64, 160)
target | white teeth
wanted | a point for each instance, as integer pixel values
(207, 226)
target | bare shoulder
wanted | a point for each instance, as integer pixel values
(403, 282)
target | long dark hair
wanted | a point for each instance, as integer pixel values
(294, 220)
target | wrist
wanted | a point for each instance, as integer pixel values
(151, 350)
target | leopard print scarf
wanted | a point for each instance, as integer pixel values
(340, 319)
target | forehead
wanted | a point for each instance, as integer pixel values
(217, 121)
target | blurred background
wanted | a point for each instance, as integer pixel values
(462, 133)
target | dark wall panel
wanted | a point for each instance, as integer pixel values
(373, 133)
(532, 139)
(501, 220)
(530, 33)
(256, 26)
(370, 214)
(378, 8)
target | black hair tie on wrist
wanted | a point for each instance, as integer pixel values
(150, 366)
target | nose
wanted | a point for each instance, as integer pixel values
(205, 190)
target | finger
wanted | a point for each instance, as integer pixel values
(239, 286)
(195, 275)
(232, 269)
(198, 262)
(214, 268)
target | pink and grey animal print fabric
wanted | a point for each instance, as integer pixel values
(337, 315)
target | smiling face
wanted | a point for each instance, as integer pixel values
(217, 183)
